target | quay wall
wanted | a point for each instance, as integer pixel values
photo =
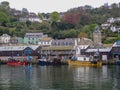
(20, 58)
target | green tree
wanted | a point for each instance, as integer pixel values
(82, 34)
(4, 18)
(71, 33)
(5, 4)
(40, 16)
(55, 17)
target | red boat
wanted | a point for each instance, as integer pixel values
(16, 63)
(13, 62)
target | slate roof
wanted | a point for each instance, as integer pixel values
(100, 50)
(17, 48)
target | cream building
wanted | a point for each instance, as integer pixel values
(4, 39)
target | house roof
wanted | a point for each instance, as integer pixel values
(58, 48)
(64, 40)
(100, 50)
(5, 35)
(17, 48)
(46, 39)
(81, 46)
(85, 41)
(33, 34)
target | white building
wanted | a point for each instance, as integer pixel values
(45, 41)
(4, 39)
(32, 19)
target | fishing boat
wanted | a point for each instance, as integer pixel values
(83, 60)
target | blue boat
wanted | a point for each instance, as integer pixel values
(43, 62)
(118, 62)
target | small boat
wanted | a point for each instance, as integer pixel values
(43, 62)
(13, 62)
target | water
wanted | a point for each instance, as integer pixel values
(59, 78)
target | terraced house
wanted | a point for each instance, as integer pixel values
(33, 38)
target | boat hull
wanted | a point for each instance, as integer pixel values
(118, 62)
(84, 63)
(15, 63)
(42, 63)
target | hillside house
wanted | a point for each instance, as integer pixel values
(5, 39)
(45, 41)
(33, 38)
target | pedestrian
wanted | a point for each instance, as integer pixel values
(29, 59)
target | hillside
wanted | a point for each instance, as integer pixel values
(59, 25)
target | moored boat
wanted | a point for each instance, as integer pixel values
(83, 60)
(118, 62)
(13, 62)
(85, 63)
(43, 62)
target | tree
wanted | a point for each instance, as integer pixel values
(5, 4)
(3, 18)
(82, 35)
(71, 33)
(84, 19)
(28, 23)
(40, 16)
(71, 18)
(55, 17)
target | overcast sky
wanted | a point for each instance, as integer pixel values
(54, 5)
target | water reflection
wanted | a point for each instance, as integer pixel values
(117, 80)
(27, 71)
(59, 77)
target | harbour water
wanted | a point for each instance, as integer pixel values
(59, 78)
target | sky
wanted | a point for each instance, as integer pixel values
(48, 6)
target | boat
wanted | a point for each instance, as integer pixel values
(13, 62)
(54, 62)
(43, 62)
(83, 60)
(118, 62)
(84, 63)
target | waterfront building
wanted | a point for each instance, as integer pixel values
(18, 51)
(60, 49)
(33, 38)
(104, 53)
(56, 52)
(116, 50)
